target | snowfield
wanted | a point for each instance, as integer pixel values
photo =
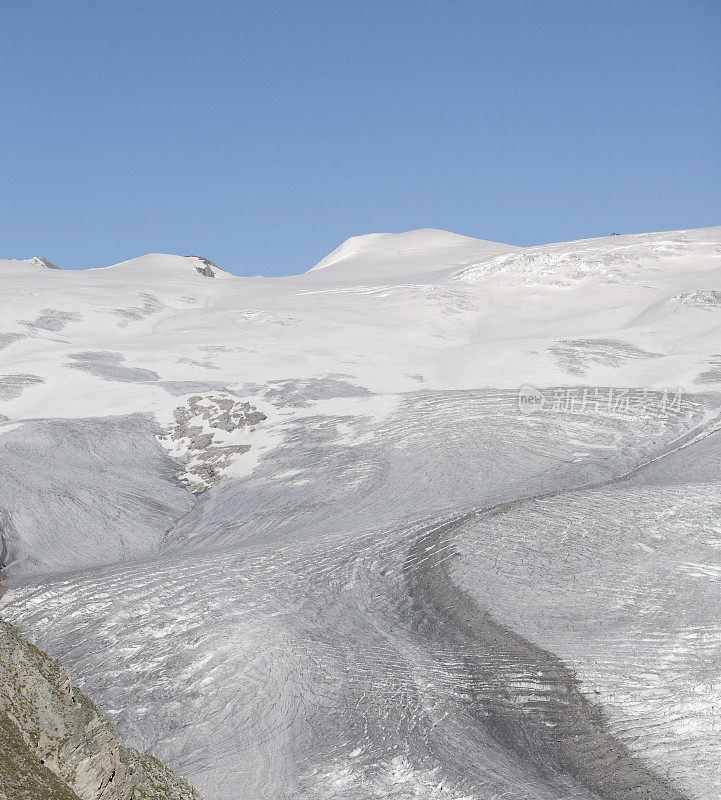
(438, 518)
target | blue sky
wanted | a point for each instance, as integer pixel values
(263, 134)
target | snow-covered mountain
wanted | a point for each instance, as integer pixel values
(437, 518)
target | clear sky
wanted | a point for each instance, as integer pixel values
(263, 134)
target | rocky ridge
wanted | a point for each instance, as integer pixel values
(56, 745)
(40, 261)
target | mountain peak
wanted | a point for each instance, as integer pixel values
(42, 262)
(416, 251)
(167, 266)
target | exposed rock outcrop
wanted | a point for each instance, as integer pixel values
(205, 266)
(207, 433)
(56, 745)
(42, 262)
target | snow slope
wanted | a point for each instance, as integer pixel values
(391, 255)
(398, 579)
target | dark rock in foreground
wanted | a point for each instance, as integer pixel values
(56, 745)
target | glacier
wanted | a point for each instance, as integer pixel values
(437, 518)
